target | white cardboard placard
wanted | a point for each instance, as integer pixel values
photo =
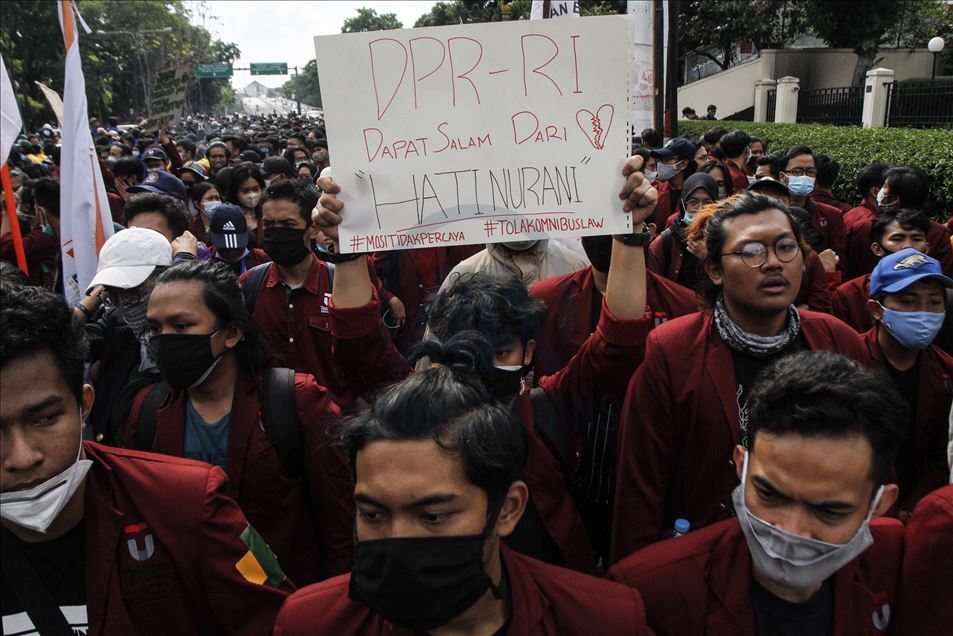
(478, 133)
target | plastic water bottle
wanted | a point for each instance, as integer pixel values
(682, 526)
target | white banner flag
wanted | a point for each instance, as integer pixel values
(10, 122)
(56, 102)
(557, 9)
(85, 219)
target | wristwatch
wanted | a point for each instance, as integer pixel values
(636, 239)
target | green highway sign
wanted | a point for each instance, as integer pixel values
(213, 70)
(269, 68)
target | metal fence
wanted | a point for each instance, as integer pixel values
(838, 106)
(927, 104)
(772, 102)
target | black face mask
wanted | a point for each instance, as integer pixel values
(507, 383)
(599, 251)
(421, 583)
(285, 245)
(184, 360)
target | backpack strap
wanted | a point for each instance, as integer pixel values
(253, 282)
(146, 421)
(37, 602)
(551, 425)
(330, 275)
(280, 418)
(668, 241)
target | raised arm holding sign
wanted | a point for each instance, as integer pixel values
(478, 133)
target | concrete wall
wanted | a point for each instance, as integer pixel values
(733, 90)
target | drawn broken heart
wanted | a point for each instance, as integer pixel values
(594, 125)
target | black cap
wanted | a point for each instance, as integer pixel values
(227, 228)
(276, 165)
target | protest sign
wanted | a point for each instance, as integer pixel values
(168, 96)
(478, 133)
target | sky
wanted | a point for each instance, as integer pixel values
(283, 31)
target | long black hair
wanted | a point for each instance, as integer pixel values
(222, 294)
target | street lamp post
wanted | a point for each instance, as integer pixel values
(935, 45)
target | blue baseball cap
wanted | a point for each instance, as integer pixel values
(899, 270)
(162, 182)
(676, 147)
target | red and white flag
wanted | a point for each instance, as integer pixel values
(85, 219)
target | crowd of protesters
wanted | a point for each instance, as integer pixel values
(734, 420)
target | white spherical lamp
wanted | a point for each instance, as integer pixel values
(936, 44)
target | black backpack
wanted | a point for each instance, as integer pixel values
(279, 417)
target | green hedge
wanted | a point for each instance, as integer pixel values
(854, 148)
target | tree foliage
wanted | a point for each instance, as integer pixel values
(471, 11)
(304, 86)
(369, 20)
(715, 29)
(859, 25)
(120, 65)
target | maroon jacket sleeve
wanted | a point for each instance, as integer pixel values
(839, 306)
(364, 349)
(816, 286)
(655, 257)
(37, 244)
(644, 468)
(925, 595)
(328, 475)
(174, 157)
(838, 234)
(940, 247)
(604, 363)
(229, 546)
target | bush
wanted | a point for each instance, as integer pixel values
(930, 150)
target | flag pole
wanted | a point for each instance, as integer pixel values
(14, 221)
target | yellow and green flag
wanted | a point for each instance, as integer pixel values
(259, 564)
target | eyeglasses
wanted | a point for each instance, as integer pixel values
(114, 296)
(801, 172)
(692, 205)
(755, 253)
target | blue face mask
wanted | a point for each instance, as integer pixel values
(913, 329)
(801, 186)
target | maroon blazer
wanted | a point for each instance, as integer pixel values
(700, 583)
(829, 223)
(926, 596)
(829, 200)
(544, 600)
(162, 546)
(931, 420)
(857, 226)
(680, 427)
(849, 303)
(568, 299)
(739, 180)
(308, 522)
(815, 291)
(414, 276)
(599, 370)
(938, 236)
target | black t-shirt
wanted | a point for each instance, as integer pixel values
(747, 369)
(59, 564)
(596, 309)
(774, 616)
(906, 464)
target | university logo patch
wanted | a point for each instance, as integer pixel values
(881, 617)
(133, 533)
(914, 261)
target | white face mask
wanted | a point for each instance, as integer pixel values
(880, 196)
(249, 201)
(650, 176)
(38, 507)
(209, 206)
(790, 561)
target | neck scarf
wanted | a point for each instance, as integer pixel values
(753, 344)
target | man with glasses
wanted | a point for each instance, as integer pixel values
(799, 174)
(114, 310)
(687, 405)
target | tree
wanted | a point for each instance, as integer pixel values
(304, 86)
(853, 24)
(471, 11)
(714, 29)
(120, 65)
(369, 20)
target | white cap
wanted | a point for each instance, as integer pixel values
(129, 257)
